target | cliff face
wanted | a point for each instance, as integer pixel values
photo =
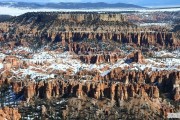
(137, 38)
(98, 59)
(118, 92)
(111, 57)
(91, 17)
(112, 91)
(56, 88)
(65, 28)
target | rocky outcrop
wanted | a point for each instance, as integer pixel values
(177, 94)
(131, 83)
(9, 114)
(97, 90)
(82, 17)
(93, 26)
(11, 62)
(99, 58)
(138, 38)
(29, 91)
(136, 57)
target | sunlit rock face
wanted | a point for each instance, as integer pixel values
(9, 113)
(80, 26)
(11, 62)
(113, 91)
(136, 56)
(82, 17)
(82, 63)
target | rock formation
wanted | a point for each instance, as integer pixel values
(9, 114)
(87, 63)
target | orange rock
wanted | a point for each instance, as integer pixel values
(177, 94)
(29, 91)
(9, 114)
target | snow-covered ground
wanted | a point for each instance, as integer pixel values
(156, 24)
(19, 49)
(175, 54)
(42, 65)
(18, 11)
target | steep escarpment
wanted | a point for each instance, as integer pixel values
(67, 27)
(60, 21)
(57, 88)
